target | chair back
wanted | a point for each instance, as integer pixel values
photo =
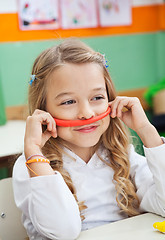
(11, 227)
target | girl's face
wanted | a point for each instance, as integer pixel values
(78, 91)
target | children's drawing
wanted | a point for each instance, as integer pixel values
(115, 12)
(78, 14)
(38, 14)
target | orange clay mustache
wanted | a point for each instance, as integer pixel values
(74, 123)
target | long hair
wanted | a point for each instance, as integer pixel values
(116, 137)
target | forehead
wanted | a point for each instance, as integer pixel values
(73, 76)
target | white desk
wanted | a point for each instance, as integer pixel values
(135, 228)
(12, 137)
(11, 140)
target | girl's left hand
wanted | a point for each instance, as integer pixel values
(130, 111)
(135, 118)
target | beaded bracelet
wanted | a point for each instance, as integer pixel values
(37, 160)
(43, 159)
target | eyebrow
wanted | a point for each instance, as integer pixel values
(63, 94)
(99, 89)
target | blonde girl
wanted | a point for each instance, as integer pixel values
(75, 178)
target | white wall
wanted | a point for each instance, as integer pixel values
(146, 2)
(10, 6)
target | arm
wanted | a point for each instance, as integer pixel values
(47, 204)
(49, 208)
(147, 174)
(35, 139)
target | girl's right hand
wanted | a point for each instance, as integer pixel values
(35, 139)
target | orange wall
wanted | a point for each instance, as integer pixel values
(145, 19)
(162, 17)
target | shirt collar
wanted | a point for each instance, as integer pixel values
(70, 157)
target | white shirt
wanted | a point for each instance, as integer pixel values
(50, 210)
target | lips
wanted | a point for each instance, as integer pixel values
(86, 129)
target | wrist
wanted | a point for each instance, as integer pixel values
(145, 129)
(30, 151)
(149, 136)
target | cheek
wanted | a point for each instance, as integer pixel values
(63, 132)
(106, 122)
(68, 114)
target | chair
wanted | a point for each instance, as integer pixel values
(11, 227)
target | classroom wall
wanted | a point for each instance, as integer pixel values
(10, 6)
(160, 39)
(132, 62)
(136, 53)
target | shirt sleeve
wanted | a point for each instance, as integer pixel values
(148, 175)
(47, 202)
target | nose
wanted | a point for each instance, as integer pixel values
(85, 112)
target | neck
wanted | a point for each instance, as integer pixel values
(84, 153)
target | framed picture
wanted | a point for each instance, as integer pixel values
(38, 14)
(115, 12)
(78, 14)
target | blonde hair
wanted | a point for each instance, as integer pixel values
(116, 137)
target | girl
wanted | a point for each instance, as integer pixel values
(76, 177)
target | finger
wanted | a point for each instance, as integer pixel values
(119, 109)
(38, 111)
(45, 137)
(51, 125)
(122, 106)
(54, 129)
(46, 119)
(113, 106)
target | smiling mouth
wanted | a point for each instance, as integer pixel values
(87, 129)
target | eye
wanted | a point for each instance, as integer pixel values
(69, 102)
(98, 98)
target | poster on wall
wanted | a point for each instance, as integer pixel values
(78, 14)
(115, 12)
(38, 14)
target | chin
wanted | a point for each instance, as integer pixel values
(87, 143)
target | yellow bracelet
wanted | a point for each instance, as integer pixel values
(44, 160)
(38, 160)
